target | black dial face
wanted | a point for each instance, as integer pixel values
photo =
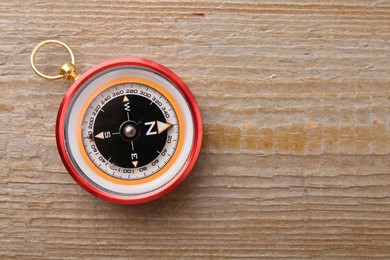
(131, 131)
(129, 123)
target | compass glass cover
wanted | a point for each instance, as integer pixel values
(129, 131)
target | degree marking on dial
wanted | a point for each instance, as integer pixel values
(160, 125)
(108, 161)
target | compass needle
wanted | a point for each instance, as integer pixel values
(100, 135)
(161, 126)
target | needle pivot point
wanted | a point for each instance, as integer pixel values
(129, 130)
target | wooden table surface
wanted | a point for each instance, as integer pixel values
(295, 100)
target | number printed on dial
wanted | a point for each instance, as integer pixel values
(130, 131)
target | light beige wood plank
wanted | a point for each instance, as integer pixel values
(295, 98)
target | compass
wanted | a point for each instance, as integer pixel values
(128, 130)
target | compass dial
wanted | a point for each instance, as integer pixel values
(129, 130)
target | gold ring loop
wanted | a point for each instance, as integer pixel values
(34, 53)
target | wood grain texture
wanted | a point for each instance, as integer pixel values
(295, 97)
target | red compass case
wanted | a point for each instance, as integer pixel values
(128, 130)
